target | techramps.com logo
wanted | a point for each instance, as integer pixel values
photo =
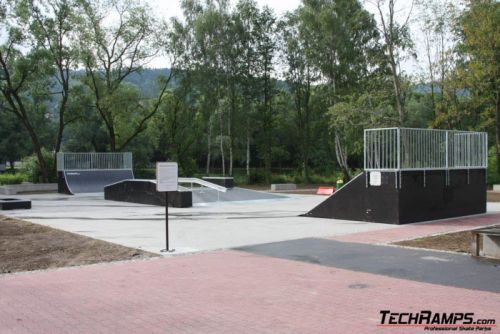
(436, 321)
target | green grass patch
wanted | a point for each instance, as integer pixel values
(11, 179)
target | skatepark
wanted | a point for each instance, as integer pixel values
(281, 262)
(99, 197)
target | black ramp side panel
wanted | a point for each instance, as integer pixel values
(144, 192)
(94, 181)
(431, 198)
(355, 201)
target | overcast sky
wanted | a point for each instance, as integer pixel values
(170, 8)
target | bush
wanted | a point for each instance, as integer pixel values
(12, 178)
(281, 179)
(145, 173)
(31, 167)
(257, 177)
(493, 176)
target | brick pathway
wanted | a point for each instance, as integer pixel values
(413, 231)
(225, 292)
(229, 292)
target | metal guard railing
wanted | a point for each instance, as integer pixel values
(93, 161)
(399, 149)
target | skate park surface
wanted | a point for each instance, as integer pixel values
(204, 227)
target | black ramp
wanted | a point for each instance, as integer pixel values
(94, 181)
(420, 197)
(144, 192)
(354, 201)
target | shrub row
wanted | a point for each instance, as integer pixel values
(9, 178)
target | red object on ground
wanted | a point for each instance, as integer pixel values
(325, 191)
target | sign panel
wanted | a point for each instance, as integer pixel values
(166, 176)
(375, 179)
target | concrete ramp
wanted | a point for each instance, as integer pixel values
(93, 181)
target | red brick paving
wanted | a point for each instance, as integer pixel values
(232, 292)
(421, 230)
(221, 292)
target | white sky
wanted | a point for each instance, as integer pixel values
(170, 8)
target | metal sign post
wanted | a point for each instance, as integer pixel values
(166, 180)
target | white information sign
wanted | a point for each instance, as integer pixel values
(166, 176)
(375, 179)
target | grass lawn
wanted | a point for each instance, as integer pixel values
(26, 246)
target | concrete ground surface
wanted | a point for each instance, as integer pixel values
(200, 228)
(289, 275)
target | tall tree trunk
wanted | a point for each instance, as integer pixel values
(230, 124)
(44, 170)
(60, 130)
(497, 128)
(112, 139)
(209, 146)
(397, 90)
(341, 154)
(248, 147)
(307, 145)
(221, 142)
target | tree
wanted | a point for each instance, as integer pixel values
(25, 73)
(111, 52)
(52, 24)
(396, 40)
(266, 46)
(176, 126)
(300, 76)
(246, 18)
(203, 33)
(14, 141)
(479, 45)
(343, 40)
(437, 21)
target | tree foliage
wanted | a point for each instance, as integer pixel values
(244, 88)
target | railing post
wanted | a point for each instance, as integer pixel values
(364, 149)
(399, 148)
(446, 160)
